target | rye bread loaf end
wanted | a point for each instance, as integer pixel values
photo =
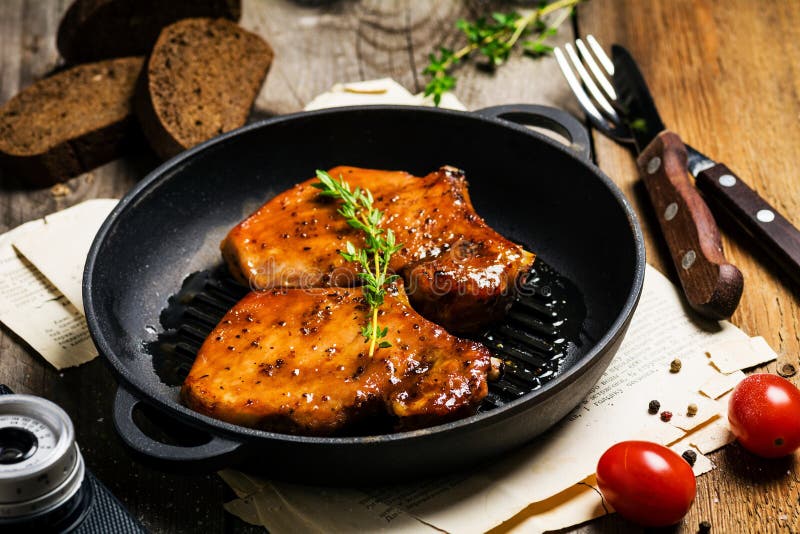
(200, 81)
(71, 122)
(99, 29)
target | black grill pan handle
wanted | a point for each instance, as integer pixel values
(553, 119)
(216, 453)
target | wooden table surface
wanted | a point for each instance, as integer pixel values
(725, 75)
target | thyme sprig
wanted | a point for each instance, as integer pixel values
(495, 39)
(374, 258)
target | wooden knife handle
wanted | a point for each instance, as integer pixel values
(712, 285)
(770, 229)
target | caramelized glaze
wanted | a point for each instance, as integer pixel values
(459, 272)
(293, 360)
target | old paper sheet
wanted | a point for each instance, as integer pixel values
(292, 508)
(730, 357)
(58, 248)
(380, 91)
(720, 384)
(41, 267)
(716, 434)
(577, 504)
(548, 469)
(36, 311)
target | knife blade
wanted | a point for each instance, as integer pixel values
(713, 286)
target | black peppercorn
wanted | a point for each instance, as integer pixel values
(653, 407)
(690, 456)
(705, 527)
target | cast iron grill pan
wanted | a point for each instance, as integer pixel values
(528, 187)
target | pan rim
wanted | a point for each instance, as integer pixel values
(141, 390)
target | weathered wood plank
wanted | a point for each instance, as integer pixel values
(348, 41)
(725, 77)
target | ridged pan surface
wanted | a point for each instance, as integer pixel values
(527, 187)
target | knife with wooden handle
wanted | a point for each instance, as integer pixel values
(712, 285)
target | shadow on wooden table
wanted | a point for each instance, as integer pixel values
(751, 468)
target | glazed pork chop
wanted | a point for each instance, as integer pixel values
(294, 361)
(458, 271)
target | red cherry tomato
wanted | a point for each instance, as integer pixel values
(646, 483)
(764, 414)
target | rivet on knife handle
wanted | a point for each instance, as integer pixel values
(770, 229)
(712, 285)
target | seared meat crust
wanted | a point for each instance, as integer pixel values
(294, 360)
(459, 272)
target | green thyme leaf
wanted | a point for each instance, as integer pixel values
(357, 209)
(495, 39)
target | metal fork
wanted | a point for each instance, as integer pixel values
(608, 121)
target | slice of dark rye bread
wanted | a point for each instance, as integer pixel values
(99, 29)
(71, 122)
(200, 81)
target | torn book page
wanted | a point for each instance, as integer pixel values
(244, 509)
(448, 101)
(377, 92)
(36, 311)
(702, 463)
(58, 248)
(730, 357)
(717, 433)
(677, 403)
(573, 506)
(330, 510)
(242, 484)
(720, 384)
(713, 437)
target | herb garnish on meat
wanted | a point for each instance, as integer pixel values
(374, 258)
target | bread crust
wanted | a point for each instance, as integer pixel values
(72, 122)
(201, 80)
(97, 29)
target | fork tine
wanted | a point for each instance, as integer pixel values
(595, 68)
(589, 83)
(583, 99)
(601, 55)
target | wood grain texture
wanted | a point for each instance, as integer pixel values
(316, 47)
(722, 76)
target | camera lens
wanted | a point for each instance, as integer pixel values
(41, 467)
(16, 444)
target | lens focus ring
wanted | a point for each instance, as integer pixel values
(40, 465)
